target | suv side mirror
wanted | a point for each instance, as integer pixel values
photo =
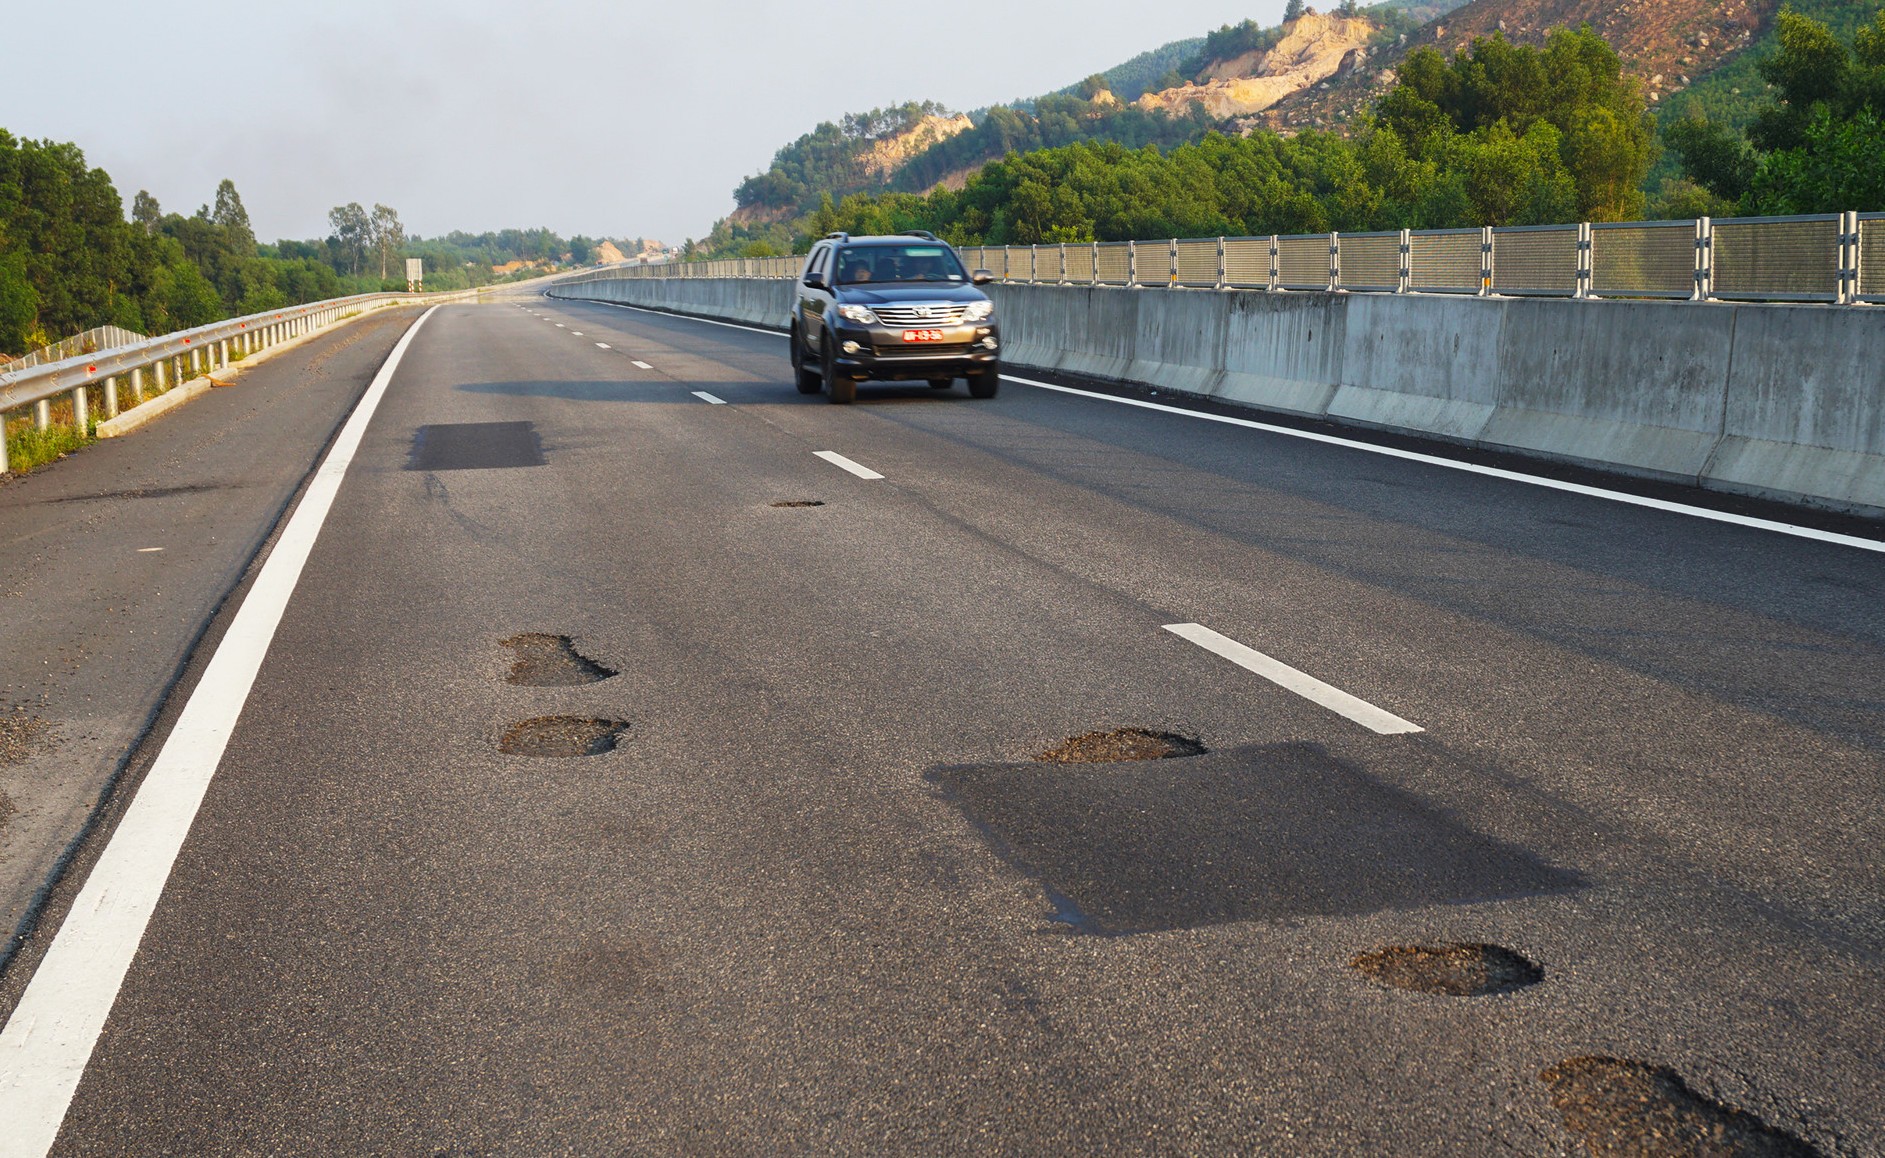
(981, 277)
(816, 280)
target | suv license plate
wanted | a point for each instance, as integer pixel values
(922, 335)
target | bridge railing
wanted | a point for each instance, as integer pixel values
(125, 375)
(1836, 258)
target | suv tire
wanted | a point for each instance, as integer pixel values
(985, 384)
(838, 388)
(808, 378)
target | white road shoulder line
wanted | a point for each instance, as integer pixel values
(640, 365)
(838, 460)
(706, 397)
(1475, 468)
(49, 1039)
(1284, 676)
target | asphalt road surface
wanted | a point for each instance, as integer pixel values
(821, 897)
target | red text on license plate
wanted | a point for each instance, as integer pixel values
(922, 335)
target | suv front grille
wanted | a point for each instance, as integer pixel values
(922, 350)
(938, 314)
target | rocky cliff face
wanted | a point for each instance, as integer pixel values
(887, 154)
(1313, 49)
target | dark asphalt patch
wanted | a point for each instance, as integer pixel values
(1253, 833)
(1453, 970)
(551, 661)
(145, 493)
(1122, 744)
(476, 446)
(612, 967)
(800, 503)
(1629, 1109)
(561, 736)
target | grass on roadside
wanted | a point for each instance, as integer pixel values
(29, 447)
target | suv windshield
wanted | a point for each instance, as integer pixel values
(881, 263)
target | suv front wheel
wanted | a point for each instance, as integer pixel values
(807, 377)
(985, 383)
(838, 387)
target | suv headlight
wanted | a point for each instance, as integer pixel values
(857, 314)
(978, 311)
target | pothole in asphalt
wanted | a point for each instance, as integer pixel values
(1454, 970)
(561, 736)
(551, 661)
(1619, 1108)
(800, 503)
(1121, 744)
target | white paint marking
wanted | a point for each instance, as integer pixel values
(641, 365)
(1664, 505)
(148, 550)
(49, 1039)
(1487, 471)
(1284, 676)
(838, 460)
(603, 346)
(706, 397)
(575, 333)
(561, 326)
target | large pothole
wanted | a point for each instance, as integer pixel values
(1453, 970)
(1630, 1109)
(551, 661)
(561, 736)
(1119, 745)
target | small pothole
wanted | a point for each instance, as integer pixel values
(800, 503)
(1121, 744)
(1454, 970)
(551, 661)
(1619, 1108)
(561, 736)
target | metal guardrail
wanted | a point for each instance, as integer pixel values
(158, 364)
(1831, 257)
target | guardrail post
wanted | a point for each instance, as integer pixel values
(1132, 265)
(1848, 258)
(1095, 280)
(1223, 274)
(1275, 276)
(1704, 260)
(1335, 261)
(42, 413)
(1583, 260)
(80, 406)
(1172, 281)
(1404, 280)
(1034, 265)
(137, 385)
(1485, 261)
(111, 396)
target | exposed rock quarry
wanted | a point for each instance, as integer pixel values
(887, 154)
(1315, 48)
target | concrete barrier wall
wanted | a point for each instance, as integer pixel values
(1781, 401)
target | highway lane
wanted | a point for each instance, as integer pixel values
(821, 899)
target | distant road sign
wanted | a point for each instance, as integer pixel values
(415, 273)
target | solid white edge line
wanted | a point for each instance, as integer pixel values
(49, 1039)
(1475, 468)
(1303, 684)
(706, 397)
(1663, 505)
(838, 460)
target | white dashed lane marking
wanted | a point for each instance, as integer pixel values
(838, 460)
(603, 346)
(641, 365)
(706, 397)
(1284, 676)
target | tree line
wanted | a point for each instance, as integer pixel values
(70, 260)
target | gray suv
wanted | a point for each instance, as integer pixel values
(887, 309)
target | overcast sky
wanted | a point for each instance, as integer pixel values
(616, 119)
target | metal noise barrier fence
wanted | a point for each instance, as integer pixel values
(1828, 257)
(152, 366)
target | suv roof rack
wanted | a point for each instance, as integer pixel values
(925, 234)
(838, 236)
